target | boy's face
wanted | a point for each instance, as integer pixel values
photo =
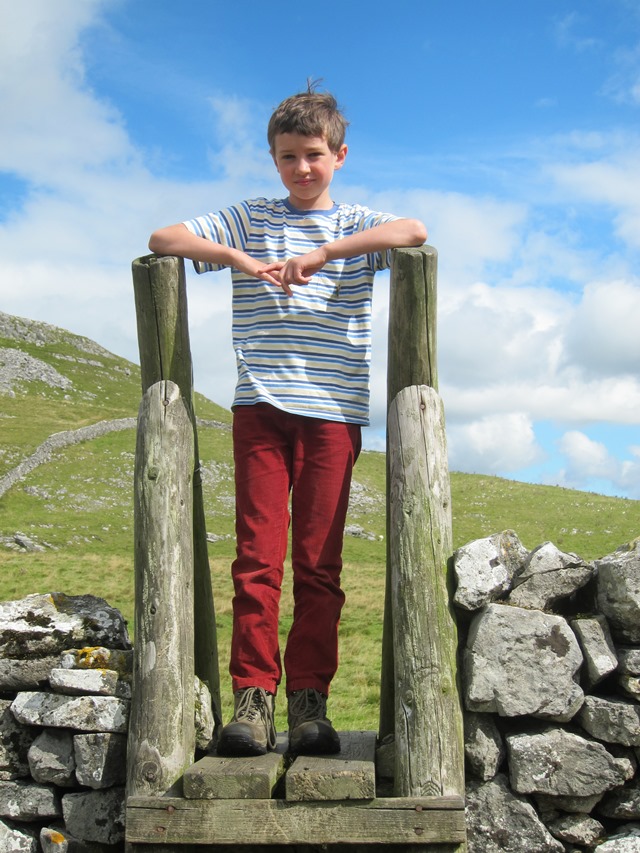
(306, 166)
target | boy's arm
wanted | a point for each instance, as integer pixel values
(178, 240)
(396, 234)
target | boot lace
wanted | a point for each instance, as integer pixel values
(306, 706)
(253, 706)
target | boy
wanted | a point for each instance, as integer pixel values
(302, 271)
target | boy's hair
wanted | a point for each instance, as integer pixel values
(309, 114)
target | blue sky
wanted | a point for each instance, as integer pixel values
(511, 129)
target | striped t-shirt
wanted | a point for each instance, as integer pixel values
(309, 353)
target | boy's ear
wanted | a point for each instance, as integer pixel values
(341, 156)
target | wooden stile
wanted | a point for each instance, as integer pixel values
(412, 360)
(165, 353)
(161, 728)
(428, 732)
(419, 705)
(225, 808)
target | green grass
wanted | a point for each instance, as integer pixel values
(79, 506)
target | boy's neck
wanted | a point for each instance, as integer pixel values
(324, 202)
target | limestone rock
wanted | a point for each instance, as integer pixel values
(25, 801)
(500, 822)
(558, 762)
(627, 840)
(628, 661)
(25, 674)
(630, 684)
(548, 576)
(15, 740)
(483, 747)
(577, 829)
(484, 568)
(521, 661)
(85, 713)
(573, 805)
(612, 720)
(95, 815)
(204, 719)
(623, 803)
(56, 839)
(597, 649)
(101, 759)
(43, 625)
(15, 839)
(51, 758)
(97, 682)
(53, 840)
(619, 592)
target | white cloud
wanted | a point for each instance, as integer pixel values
(612, 181)
(468, 231)
(499, 333)
(493, 444)
(591, 460)
(54, 128)
(603, 335)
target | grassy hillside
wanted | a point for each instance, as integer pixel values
(77, 509)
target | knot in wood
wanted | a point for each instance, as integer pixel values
(153, 472)
(408, 697)
(150, 771)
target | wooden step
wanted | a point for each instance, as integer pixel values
(253, 778)
(349, 775)
(165, 821)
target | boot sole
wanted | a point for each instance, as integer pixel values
(239, 748)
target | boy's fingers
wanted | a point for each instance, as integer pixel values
(270, 279)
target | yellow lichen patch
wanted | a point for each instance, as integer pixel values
(97, 657)
(56, 837)
(94, 658)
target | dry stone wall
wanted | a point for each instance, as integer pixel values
(550, 657)
(65, 689)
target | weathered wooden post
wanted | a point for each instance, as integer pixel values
(161, 730)
(165, 353)
(420, 703)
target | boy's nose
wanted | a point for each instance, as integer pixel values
(302, 166)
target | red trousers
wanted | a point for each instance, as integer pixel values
(277, 454)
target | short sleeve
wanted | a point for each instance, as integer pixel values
(370, 219)
(229, 227)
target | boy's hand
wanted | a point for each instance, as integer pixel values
(298, 270)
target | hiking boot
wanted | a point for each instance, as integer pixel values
(310, 732)
(252, 730)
